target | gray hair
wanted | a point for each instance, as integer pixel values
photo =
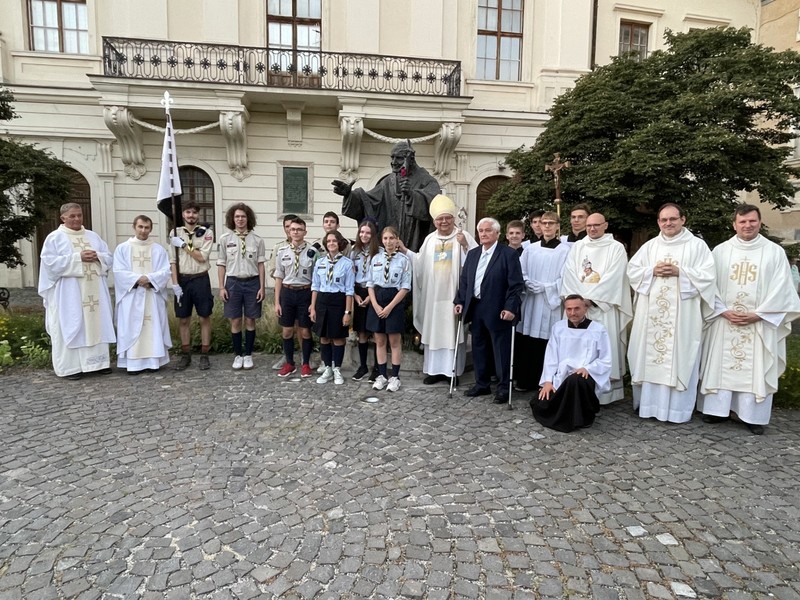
(493, 222)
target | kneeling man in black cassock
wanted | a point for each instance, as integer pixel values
(577, 367)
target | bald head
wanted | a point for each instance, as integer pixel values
(596, 226)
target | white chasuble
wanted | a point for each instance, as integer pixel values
(752, 277)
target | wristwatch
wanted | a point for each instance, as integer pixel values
(347, 312)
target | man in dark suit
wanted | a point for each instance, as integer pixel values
(489, 297)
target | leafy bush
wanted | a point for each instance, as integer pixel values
(788, 395)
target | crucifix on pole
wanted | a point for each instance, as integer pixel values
(555, 167)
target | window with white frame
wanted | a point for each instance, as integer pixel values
(59, 26)
(499, 52)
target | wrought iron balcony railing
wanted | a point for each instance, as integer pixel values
(277, 67)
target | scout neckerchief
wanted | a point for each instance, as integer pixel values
(297, 251)
(242, 238)
(389, 258)
(190, 241)
(331, 267)
(364, 261)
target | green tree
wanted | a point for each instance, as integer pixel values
(32, 182)
(695, 124)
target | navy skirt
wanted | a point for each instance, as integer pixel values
(395, 322)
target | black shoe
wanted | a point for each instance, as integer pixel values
(106, 371)
(204, 364)
(74, 376)
(713, 419)
(360, 373)
(518, 388)
(477, 391)
(501, 400)
(186, 360)
(755, 429)
(136, 372)
(374, 375)
(431, 379)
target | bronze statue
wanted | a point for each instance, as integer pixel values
(400, 199)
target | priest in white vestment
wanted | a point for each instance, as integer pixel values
(596, 268)
(142, 277)
(72, 282)
(435, 277)
(542, 268)
(672, 276)
(577, 367)
(744, 344)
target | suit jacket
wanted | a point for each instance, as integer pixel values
(501, 288)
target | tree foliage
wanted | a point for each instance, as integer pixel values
(32, 181)
(696, 124)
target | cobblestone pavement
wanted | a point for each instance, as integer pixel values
(223, 484)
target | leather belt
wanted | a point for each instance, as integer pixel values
(297, 287)
(243, 278)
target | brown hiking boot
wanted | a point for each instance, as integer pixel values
(186, 360)
(204, 364)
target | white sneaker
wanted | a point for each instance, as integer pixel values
(237, 363)
(394, 384)
(248, 362)
(321, 368)
(380, 383)
(277, 366)
(326, 376)
(337, 376)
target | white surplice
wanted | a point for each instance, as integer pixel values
(78, 314)
(742, 364)
(435, 276)
(664, 346)
(542, 269)
(143, 337)
(572, 348)
(597, 270)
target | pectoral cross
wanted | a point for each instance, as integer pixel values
(91, 303)
(668, 260)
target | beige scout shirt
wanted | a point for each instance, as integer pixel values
(295, 265)
(273, 259)
(240, 257)
(189, 264)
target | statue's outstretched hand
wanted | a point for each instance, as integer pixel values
(341, 188)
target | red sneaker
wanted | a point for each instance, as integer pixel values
(286, 370)
(305, 371)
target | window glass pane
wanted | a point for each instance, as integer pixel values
(286, 35)
(37, 13)
(274, 34)
(315, 9)
(83, 42)
(286, 8)
(51, 14)
(83, 17)
(70, 42)
(273, 7)
(482, 18)
(38, 39)
(68, 16)
(51, 40)
(491, 19)
(302, 9)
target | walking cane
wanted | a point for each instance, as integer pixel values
(455, 358)
(511, 370)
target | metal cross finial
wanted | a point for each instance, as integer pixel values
(166, 101)
(555, 167)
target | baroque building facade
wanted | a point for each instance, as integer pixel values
(273, 99)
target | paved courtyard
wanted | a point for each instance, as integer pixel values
(223, 484)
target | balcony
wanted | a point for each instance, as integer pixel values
(279, 68)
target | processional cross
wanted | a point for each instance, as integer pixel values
(555, 167)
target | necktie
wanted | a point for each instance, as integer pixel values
(389, 258)
(479, 272)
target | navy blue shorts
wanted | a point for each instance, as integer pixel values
(242, 298)
(395, 322)
(196, 295)
(294, 307)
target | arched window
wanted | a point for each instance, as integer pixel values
(80, 194)
(198, 187)
(486, 190)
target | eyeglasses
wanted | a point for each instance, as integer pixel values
(548, 223)
(593, 225)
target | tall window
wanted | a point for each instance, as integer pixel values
(198, 187)
(59, 26)
(294, 29)
(633, 38)
(499, 39)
